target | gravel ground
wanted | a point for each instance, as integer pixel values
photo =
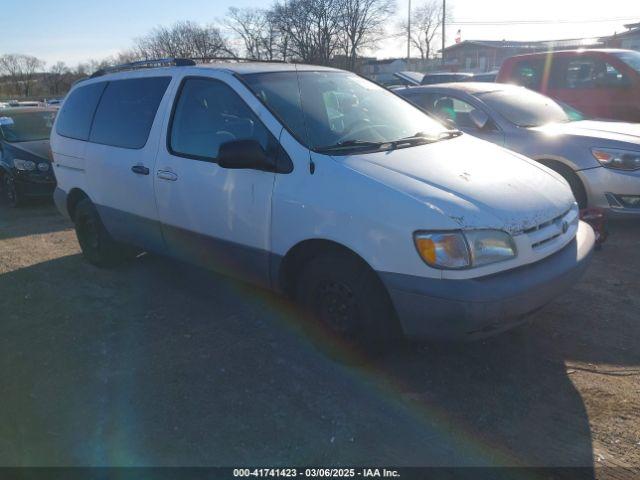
(159, 363)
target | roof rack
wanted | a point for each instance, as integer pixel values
(232, 59)
(162, 62)
(175, 62)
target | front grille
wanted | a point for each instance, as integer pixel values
(546, 224)
(547, 232)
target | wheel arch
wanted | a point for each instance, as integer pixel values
(566, 169)
(73, 198)
(293, 262)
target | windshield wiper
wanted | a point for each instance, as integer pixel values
(349, 144)
(421, 138)
(449, 134)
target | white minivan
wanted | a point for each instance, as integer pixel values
(322, 185)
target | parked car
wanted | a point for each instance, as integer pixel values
(484, 77)
(446, 77)
(601, 83)
(320, 184)
(600, 160)
(408, 78)
(25, 163)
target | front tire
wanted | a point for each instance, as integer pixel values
(349, 300)
(11, 194)
(98, 247)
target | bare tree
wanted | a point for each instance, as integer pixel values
(362, 25)
(182, 40)
(312, 27)
(259, 32)
(426, 26)
(57, 78)
(21, 71)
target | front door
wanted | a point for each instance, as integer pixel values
(593, 86)
(215, 217)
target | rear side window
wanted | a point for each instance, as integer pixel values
(74, 120)
(127, 110)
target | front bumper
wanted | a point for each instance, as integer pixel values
(605, 186)
(35, 185)
(475, 308)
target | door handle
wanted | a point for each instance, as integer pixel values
(140, 170)
(167, 175)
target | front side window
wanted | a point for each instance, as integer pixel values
(328, 109)
(127, 110)
(26, 126)
(209, 113)
(590, 72)
(76, 115)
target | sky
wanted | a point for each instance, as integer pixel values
(78, 30)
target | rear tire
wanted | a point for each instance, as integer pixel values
(98, 247)
(349, 301)
(577, 188)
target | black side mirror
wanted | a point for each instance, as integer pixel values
(245, 154)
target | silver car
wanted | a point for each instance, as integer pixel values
(599, 159)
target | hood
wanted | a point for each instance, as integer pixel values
(38, 148)
(472, 182)
(613, 131)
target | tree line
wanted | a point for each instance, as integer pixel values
(321, 32)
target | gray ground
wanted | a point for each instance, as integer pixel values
(159, 363)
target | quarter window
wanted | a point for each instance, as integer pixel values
(209, 113)
(74, 120)
(127, 110)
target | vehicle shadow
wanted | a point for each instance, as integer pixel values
(36, 217)
(159, 363)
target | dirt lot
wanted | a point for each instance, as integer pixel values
(158, 363)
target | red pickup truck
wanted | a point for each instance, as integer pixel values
(600, 83)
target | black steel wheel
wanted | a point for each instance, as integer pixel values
(348, 299)
(98, 247)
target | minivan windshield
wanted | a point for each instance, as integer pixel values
(525, 108)
(26, 126)
(340, 111)
(631, 58)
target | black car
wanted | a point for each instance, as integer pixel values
(446, 77)
(25, 156)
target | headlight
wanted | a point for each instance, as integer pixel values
(490, 246)
(457, 250)
(618, 159)
(43, 166)
(25, 165)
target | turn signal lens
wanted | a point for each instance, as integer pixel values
(443, 250)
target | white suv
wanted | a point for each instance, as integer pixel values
(322, 185)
